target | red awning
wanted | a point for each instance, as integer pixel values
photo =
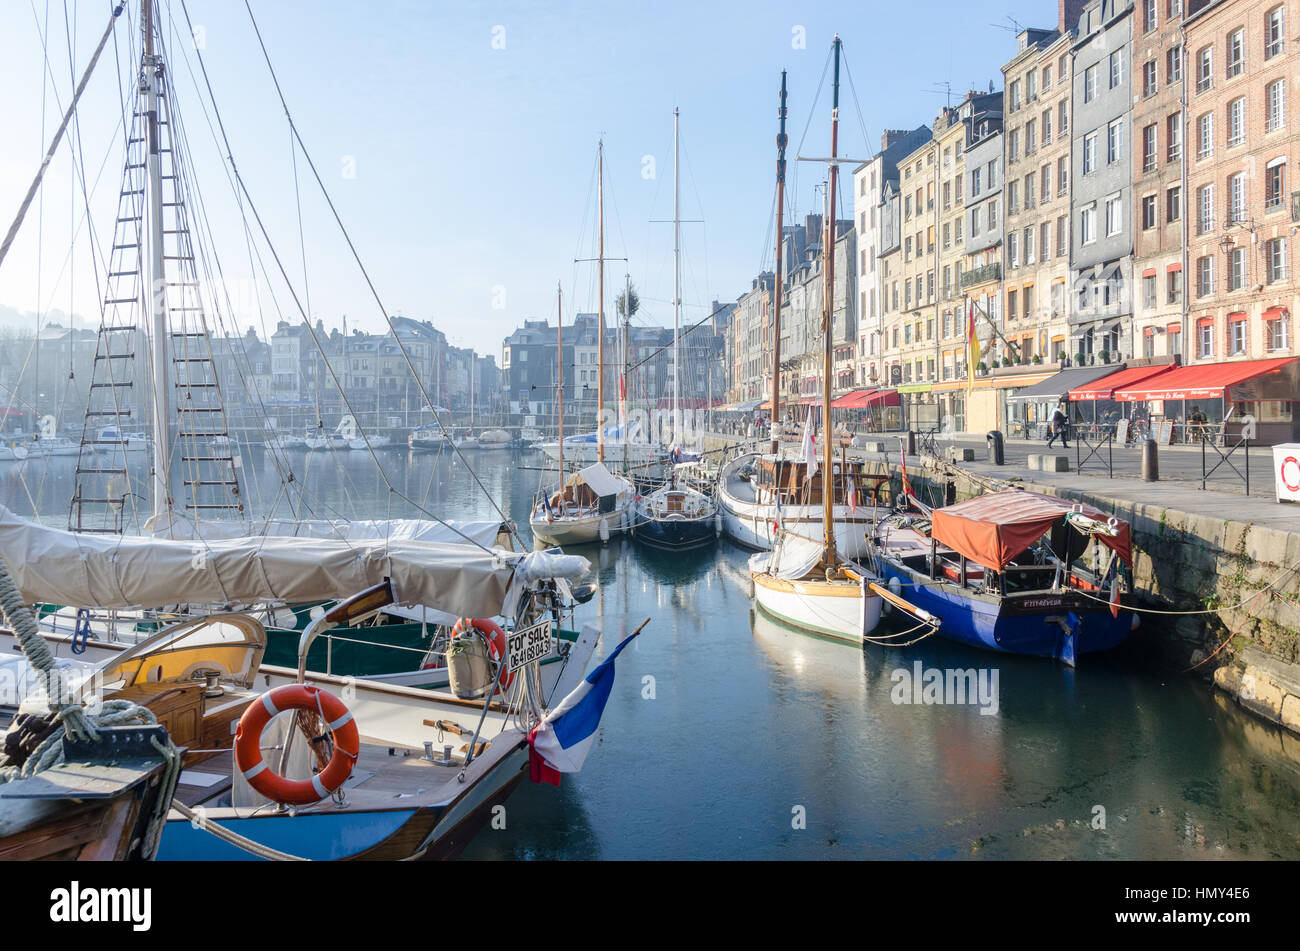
(883, 398)
(1104, 389)
(1204, 381)
(858, 399)
(993, 529)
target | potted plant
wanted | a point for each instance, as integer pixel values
(984, 367)
(1079, 359)
(1104, 356)
(996, 364)
(1038, 357)
(1060, 355)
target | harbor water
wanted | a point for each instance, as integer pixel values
(728, 735)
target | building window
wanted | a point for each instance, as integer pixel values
(1274, 184)
(1029, 245)
(1115, 141)
(1116, 68)
(1205, 69)
(1237, 121)
(1014, 96)
(1045, 241)
(1031, 144)
(1149, 291)
(1275, 260)
(1089, 152)
(1274, 40)
(1237, 336)
(1047, 127)
(1029, 190)
(993, 214)
(1237, 198)
(1013, 197)
(1011, 303)
(1062, 235)
(974, 222)
(1148, 343)
(1174, 287)
(1174, 136)
(1173, 65)
(1236, 53)
(1148, 15)
(1277, 334)
(1045, 184)
(974, 186)
(1236, 269)
(1090, 83)
(1205, 209)
(1204, 276)
(1175, 341)
(1062, 118)
(1150, 78)
(1047, 77)
(1088, 225)
(1205, 136)
(1149, 145)
(1148, 212)
(1205, 338)
(1062, 177)
(1114, 215)
(993, 173)
(1275, 106)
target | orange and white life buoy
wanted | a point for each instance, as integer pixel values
(496, 639)
(248, 744)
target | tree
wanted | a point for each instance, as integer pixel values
(622, 303)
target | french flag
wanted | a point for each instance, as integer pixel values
(559, 744)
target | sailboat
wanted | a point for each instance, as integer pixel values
(676, 516)
(764, 494)
(592, 504)
(804, 582)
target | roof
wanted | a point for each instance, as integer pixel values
(1104, 389)
(993, 529)
(1058, 386)
(600, 480)
(1212, 380)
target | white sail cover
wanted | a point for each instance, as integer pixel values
(791, 558)
(124, 571)
(359, 530)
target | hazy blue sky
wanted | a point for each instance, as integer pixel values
(465, 171)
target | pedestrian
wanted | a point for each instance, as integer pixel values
(1060, 424)
(1198, 421)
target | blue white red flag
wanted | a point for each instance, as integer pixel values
(560, 743)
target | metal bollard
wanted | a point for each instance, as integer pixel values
(911, 443)
(1150, 462)
(997, 449)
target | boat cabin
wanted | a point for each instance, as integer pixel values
(786, 477)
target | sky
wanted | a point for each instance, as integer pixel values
(458, 142)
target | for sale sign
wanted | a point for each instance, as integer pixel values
(528, 645)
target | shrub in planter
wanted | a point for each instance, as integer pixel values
(1104, 356)
(984, 367)
(1038, 358)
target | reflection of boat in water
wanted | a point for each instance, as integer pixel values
(1014, 571)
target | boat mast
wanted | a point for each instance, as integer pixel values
(828, 315)
(600, 307)
(559, 392)
(622, 388)
(776, 290)
(150, 77)
(677, 287)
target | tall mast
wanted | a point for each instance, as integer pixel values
(677, 287)
(559, 392)
(622, 387)
(828, 318)
(600, 307)
(150, 77)
(776, 290)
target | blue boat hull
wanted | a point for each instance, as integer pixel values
(1060, 625)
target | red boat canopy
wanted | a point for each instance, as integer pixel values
(993, 529)
(1205, 381)
(1104, 389)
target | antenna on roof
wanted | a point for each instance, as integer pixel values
(1015, 26)
(946, 90)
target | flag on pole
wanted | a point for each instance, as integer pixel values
(972, 342)
(808, 449)
(776, 522)
(853, 497)
(902, 457)
(1111, 579)
(550, 515)
(560, 743)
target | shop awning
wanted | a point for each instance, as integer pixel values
(915, 388)
(748, 406)
(993, 529)
(1058, 386)
(1104, 389)
(858, 399)
(1260, 379)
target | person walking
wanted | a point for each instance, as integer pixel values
(1060, 424)
(1197, 428)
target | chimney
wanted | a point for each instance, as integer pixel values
(1068, 13)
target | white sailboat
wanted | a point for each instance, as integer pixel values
(805, 582)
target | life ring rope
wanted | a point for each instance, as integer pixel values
(333, 713)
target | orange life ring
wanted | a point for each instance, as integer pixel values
(338, 720)
(496, 639)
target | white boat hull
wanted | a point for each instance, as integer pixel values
(583, 529)
(846, 611)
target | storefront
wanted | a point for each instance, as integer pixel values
(871, 410)
(1225, 394)
(1096, 403)
(1029, 410)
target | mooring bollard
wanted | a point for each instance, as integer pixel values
(997, 450)
(911, 443)
(1150, 462)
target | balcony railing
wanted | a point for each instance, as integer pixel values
(989, 272)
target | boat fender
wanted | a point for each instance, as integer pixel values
(717, 525)
(496, 639)
(343, 733)
(604, 529)
(896, 588)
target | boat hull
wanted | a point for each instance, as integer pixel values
(844, 611)
(581, 530)
(1058, 624)
(676, 534)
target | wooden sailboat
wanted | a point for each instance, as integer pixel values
(802, 582)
